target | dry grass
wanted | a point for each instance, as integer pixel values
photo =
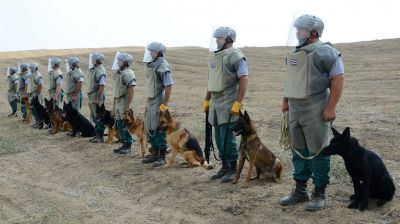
(57, 179)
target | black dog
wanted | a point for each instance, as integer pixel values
(43, 115)
(78, 122)
(368, 172)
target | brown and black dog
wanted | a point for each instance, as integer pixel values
(108, 120)
(180, 140)
(253, 150)
(56, 117)
(136, 126)
(25, 101)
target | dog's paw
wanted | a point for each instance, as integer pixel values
(352, 197)
(380, 203)
(246, 185)
(363, 207)
(353, 205)
(235, 181)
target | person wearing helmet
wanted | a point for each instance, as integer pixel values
(314, 84)
(13, 81)
(74, 83)
(227, 85)
(159, 87)
(55, 81)
(123, 87)
(23, 88)
(35, 90)
(95, 91)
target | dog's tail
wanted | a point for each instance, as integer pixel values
(278, 169)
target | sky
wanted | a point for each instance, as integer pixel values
(63, 24)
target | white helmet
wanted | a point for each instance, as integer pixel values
(311, 23)
(125, 57)
(225, 32)
(73, 61)
(34, 66)
(99, 57)
(156, 46)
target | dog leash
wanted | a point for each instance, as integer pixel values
(209, 144)
(285, 141)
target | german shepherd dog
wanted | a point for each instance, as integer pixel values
(181, 140)
(367, 170)
(78, 122)
(41, 112)
(25, 101)
(105, 117)
(136, 126)
(253, 150)
(55, 113)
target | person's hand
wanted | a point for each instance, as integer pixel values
(163, 107)
(236, 107)
(329, 115)
(285, 106)
(95, 100)
(74, 97)
(206, 105)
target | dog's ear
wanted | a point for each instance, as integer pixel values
(335, 132)
(103, 108)
(240, 113)
(65, 105)
(46, 101)
(346, 134)
(70, 103)
(246, 116)
(130, 112)
(168, 115)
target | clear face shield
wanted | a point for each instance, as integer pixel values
(49, 68)
(298, 35)
(115, 65)
(67, 66)
(216, 43)
(91, 63)
(8, 72)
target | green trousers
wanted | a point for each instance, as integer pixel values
(98, 125)
(226, 143)
(14, 106)
(124, 135)
(24, 111)
(157, 140)
(317, 168)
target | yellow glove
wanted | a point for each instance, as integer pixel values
(206, 105)
(236, 108)
(163, 107)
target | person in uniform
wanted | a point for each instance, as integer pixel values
(23, 88)
(95, 90)
(159, 88)
(124, 89)
(314, 85)
(74, 83)
(12, 94)
(55, 81)
(35, 86)
(227, 86)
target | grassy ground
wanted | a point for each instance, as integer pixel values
(54, 179)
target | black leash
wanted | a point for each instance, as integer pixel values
(209, 145)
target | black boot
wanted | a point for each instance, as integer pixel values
(119, 149)
(126, 149)
(317, 199)
(230, 175)
(151, 158)
(99, 137)
(300, 194)
(221, 172)
(95, 137)
(161, 159)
